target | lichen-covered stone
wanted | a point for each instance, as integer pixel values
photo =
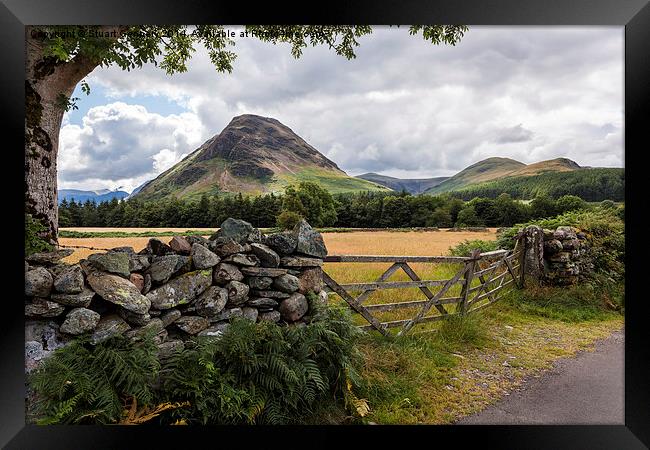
(310, 242)
(70, 280)
(227, 246)
(202, 258)
(157, 247)
(242, 259)
(120, 291)
(212, 301)
(286, 283)
(79, 321)
(154, 327)
(250, 313)
(170, 316)
(139, 263)
(269, 294)
(38, 282)
(294, 307)
(134, 318)
(259, 283)
(224, 273)
(263, 271)
(47, 258)
(227, 314)
(195, 239)
(310, 280)
(284, 243)
(147, 284)
(41, 307)
(552, 246)
(192, 324)
(270, 316)
(236, 229)
(109, 326)
(261, 302)
(169, 348)
(300, 261)
(181, 290)
(82, 299)
(164, 267)
(266, 256)
(112, 262)
(215, 330)
(237, 293)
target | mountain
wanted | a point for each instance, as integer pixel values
(252, 155)
(411, 185)
(497, 168)
(102, 195)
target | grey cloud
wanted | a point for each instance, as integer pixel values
(515, 134)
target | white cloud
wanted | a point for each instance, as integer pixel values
(403, 106)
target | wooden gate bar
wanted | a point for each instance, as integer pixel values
(410, 304)
(402, 259)
(394, 285)
(384, 276)
(424, 289)
(354, 304)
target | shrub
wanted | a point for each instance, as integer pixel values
(33, 241)
(288, 219)
(466, 247)
(82, 383)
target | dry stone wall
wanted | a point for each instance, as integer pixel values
(190, 286)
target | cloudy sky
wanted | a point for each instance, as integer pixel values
(404, 107)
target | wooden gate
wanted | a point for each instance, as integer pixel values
(483, 278)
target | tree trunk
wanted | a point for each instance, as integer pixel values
(47, 82)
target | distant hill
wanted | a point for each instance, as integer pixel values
(103, 195)
(498, 168)
(252, 155)
(411, 185)
(590, 184)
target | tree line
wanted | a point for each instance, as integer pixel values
(320, 208)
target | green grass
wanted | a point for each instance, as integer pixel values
(332, 182)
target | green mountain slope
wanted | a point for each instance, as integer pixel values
(411, 185)
(252, 155)
(486, 170)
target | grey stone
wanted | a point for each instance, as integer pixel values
(196, 239)
(286, 283)
(180, 245)
(181, 290)
(70, 281)
(82, 299)
(134, 318)
(237, 293)
(269, 294)
(169, 348)
(311, 280)
(34, 354)
(263, 271)
(560, 257)
(255, 236)
(266, 256)
(192, 324)
(236, 229)
(147, 284)
(224, 273)
(242, 259)
(202, 258)
(170, 316)
(164, 267)
(215, 330)
(260, 283)
(79, 321)
(552, 246)
(571, 244)
(284, 243)
(115, 289)
(300, 261)
(270, 316)
(109, 326)
(261, 302)
(154, 326)
(212, 301)
(114, 262)
(157, 247)
(227, 246)
(227, 314)
(250, 313)
(47, 258)
(38, 282)
(139, 263)
(45, 332)
(294, 307)
(310, 242)
(41, 307)
(127, 250)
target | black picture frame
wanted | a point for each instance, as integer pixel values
(633, 14)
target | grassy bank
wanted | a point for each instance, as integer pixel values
(462, 366)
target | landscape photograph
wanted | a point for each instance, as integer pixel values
(324, 225)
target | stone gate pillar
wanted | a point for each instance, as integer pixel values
(534, 259)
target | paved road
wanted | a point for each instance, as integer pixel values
(586, 389)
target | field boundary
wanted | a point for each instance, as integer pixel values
(481, 286)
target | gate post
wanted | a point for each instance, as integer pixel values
(469, 274)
